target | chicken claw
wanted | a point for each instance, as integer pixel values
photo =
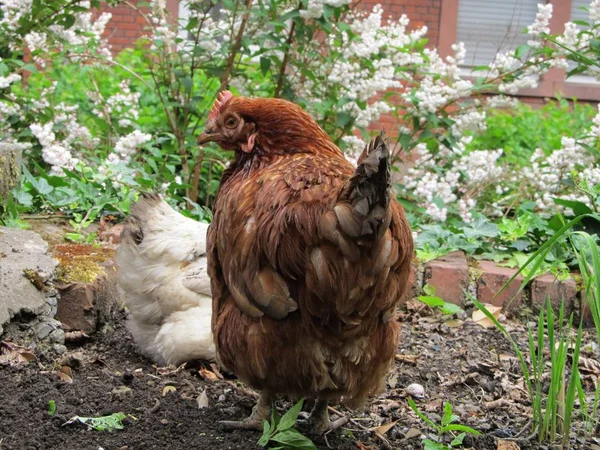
(260, 412)
(319, 418)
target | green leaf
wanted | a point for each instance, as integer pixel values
(458, 440)
(43, 187)
(23, 198)
(579, 208)
(343, 119)
(429, 300)
(464, 428)
(447, 418)
(289, 418)
(292, 440)
(265, 65)
(423, 417)
(51, 407)
(428, 444)
(264, 439)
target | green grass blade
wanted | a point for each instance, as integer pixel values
(573, 381)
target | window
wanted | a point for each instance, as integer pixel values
(488, 27)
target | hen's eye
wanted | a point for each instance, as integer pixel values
(231, 122)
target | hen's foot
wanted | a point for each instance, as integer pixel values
(260, 412)
(319, 419)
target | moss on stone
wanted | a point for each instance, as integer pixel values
(81, 262)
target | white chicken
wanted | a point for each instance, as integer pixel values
(163, 282)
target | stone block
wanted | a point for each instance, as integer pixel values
(25, 267)
(87, 306)
(547, 286)
(450, 277)
(493, 278)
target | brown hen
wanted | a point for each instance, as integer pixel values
(308, 258)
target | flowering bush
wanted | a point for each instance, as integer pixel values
(92, 142)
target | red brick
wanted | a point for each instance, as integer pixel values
(450, 277)
(492, 279)
(546, 286)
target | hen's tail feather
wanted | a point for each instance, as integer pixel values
(363, 207)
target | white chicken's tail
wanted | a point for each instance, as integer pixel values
(163, 282)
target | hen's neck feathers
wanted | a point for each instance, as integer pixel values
(282, 128)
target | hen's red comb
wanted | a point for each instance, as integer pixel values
(222, 99)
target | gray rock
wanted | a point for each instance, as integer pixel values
(21, 250)
(60, 349)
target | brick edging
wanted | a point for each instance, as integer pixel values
(454, 273)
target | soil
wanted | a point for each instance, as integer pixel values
(459, 362)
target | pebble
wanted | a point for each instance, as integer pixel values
(222, 398)
(59, 348)
(57, 336)
(164, 421)
(415, 390)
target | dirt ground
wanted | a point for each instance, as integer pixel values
(460, 362)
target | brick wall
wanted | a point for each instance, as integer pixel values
(420, 12)
(127, 25)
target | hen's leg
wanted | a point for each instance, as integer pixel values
(260, 412)
(319, 418)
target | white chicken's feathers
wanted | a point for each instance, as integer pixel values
(164, 283)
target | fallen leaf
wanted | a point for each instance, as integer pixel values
(65, 374)
(168, 389)
(454, 323)
(393, 380)
(202, 400)
(383, 429)
(412, 433)
(409, 359)
(507, 445)
(15, 355)
(73, 336)
(481, 319)
(589, 365)
(207, 374)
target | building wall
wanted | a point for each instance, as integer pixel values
(127, 24)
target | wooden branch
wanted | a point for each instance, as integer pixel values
(284, 63)
(236, 47)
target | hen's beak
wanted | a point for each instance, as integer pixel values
(209, 134)
(207, 137)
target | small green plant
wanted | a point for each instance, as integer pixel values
(447, 426)
(51, 407)
(279, 434)
(430, 299)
